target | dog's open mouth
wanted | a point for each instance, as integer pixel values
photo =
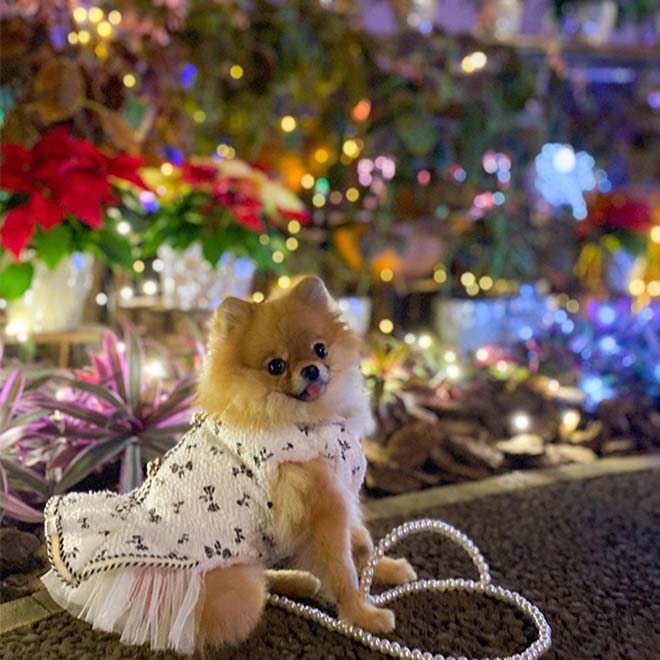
(313, 391)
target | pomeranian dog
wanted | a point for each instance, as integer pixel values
(292, 359)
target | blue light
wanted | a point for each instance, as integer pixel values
(149, 201)
(525, 333)
(656, 372)
(526, 290)
(606, 315)
(595, 390)
(567, 327)
(460, 175)
(188, 75)
(608, 344)
(646, 314)
(78, 260)
(562, 176)
(628, 361)
(560, 316)
(174, 155)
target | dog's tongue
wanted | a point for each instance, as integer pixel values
(314, 391)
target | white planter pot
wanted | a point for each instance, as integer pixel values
(356, 312)
(470, 324)
(508, 17)
(189, 282)
(55, 300)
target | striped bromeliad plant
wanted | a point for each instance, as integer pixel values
(123, 409)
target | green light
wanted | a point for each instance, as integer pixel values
(322, 186)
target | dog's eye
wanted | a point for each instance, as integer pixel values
(276, 367)
(320, 350)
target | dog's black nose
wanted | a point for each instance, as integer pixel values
(310, 372)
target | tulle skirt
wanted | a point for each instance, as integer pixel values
(152, 606)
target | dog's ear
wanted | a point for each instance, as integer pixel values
(312, 291)
(231, 313)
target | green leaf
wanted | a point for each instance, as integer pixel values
(52, 245)
(28, 478)
(131, 469)
(89, 460)
(15, 280)
(115, 248)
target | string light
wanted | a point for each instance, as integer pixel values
(440, 275)
(482, 354)
(72, 38)
(293, 227)
(101, 299)
(655, 234)
(486, 283)
(258, 297)
(199, 116)
(126, 293)
(450, 356)
(123, 227)
(386, 326)
(236, 72)
(138, 266)
(573, 306)
(318, 200)
(167, 169)
(158, 265)
(570, 419)
(104, 29)
(653, 288)
(362, 110)
(155, 368)
(80, 14)
(95, 14)
(336, 197)
(101, 51)
(351, 148)
(278, 256)
(425, 341)
(114, 17)
(284, 282)
(129, 80)
(453, 372)
(387, 274)
(288, 123)
(150, 288)
(321, 155)
(84, 37)
(520, 421)
(307, 181)
(264, 239)
(352, 194)
(468, 279)
(291, 244)
(410, 338)
(636, 287)
(474, 61)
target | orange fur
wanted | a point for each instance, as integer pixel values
(317, 520)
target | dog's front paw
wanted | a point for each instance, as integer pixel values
(369, 617)
(394, 571)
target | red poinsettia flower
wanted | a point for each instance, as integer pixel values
(61, 175)
(241, 199)
(199, 173)
(619, 211)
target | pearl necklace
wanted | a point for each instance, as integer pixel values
(396, 649)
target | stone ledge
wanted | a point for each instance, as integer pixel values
(21, 612)
(413, 503)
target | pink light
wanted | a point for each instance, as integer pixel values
(423, 177)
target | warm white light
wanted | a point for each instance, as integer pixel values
(425, 341)
(126, 293)
(158, 265)
(150, 288)
(481, 354)
(288, 123)
(571, 419)
(450, 356)
(155, 368)
(553, 385)
(123, 227)
(655, 234)
(258, 297)
(278, 256)
(284, 282)
(121, 346)
(101, 298)
(520, 421)
(410, 338)
(60, 395)
(386, 326)
(453, 372)
(293, 227)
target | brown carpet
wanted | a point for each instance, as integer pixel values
(587, 553)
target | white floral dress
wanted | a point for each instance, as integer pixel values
(134, 563)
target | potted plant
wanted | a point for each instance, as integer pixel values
(213, 224)
(55, 199)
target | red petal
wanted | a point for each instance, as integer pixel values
(126, 167)
(248, 218)
(17, 229)
(45, 211)
(15, 172)
(302, 216)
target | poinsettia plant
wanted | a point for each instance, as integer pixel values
(226, 206)
(54, 201)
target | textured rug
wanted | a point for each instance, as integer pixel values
(587, 553)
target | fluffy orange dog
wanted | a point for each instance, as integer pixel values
(292, 359)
